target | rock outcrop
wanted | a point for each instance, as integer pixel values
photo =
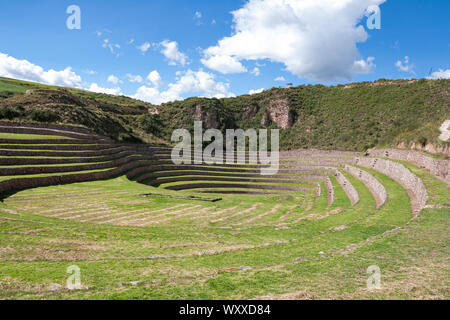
(279, 112)
(209, 118)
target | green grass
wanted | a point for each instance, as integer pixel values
(187, 256)
(17, 136)
(4, 178)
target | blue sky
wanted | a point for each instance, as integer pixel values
(299, 41)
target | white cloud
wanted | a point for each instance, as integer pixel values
(11, 67)
(113, 47)
(153, 95)
(281, 79)
(144, 47)
(191, 82)
(404, 65)
(90, 72)
(96, 88)
(441, 74)
(113, 79)
(313, 39)
(155, 78)
(364, 66)
(256, 72)
(198, 17)
(134, 78)
(171, 52)
(252, 92)
(224, 64)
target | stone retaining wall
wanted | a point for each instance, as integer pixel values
(236, 186)
(48, 161)
(403, 176)
(438, 168)
(74, 168)
(330, 191)
(375, 187)
(54, 141)
(222, 174)
(48, 132)
(227, 179)
(46, 126)
(81, 154)
(96, 147)
(18, 184)
(348, 187)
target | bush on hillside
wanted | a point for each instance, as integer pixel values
(43, 115)
(8, 113)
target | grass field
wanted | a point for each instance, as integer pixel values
(309, 232)
(271, 246)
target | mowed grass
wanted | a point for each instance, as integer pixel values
(283, 245)
(19, 136)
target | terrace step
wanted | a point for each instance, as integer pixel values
(348, 187)
(398, 172)
(375, 187)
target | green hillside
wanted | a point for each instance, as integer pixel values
(353, 117)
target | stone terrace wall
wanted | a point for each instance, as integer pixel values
(54, 141)
(349, 189)
(438, 168)
(403, 176)
(235, 186)
(50, 132)
(46, 126)
(330, 191)
(229, 179)
(375, 187)
(62, 154)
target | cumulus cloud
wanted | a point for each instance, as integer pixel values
(405, 65)
(224, 64)
(256, 72)
(144, 47)
(252, 92)
(172, 53)
(96, 88)
(195, 82)
(113, 79)
(441, 74)
(134, 78)
(313, 39)
(154, 78)
(11, 67)
(364, 66)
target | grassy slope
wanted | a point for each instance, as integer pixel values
(36, 250)
(356, 118)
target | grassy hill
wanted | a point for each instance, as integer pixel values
(353, 117)
(138, 226)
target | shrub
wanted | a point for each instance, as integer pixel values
(43, 115)
(8, 113)
(151, 123)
